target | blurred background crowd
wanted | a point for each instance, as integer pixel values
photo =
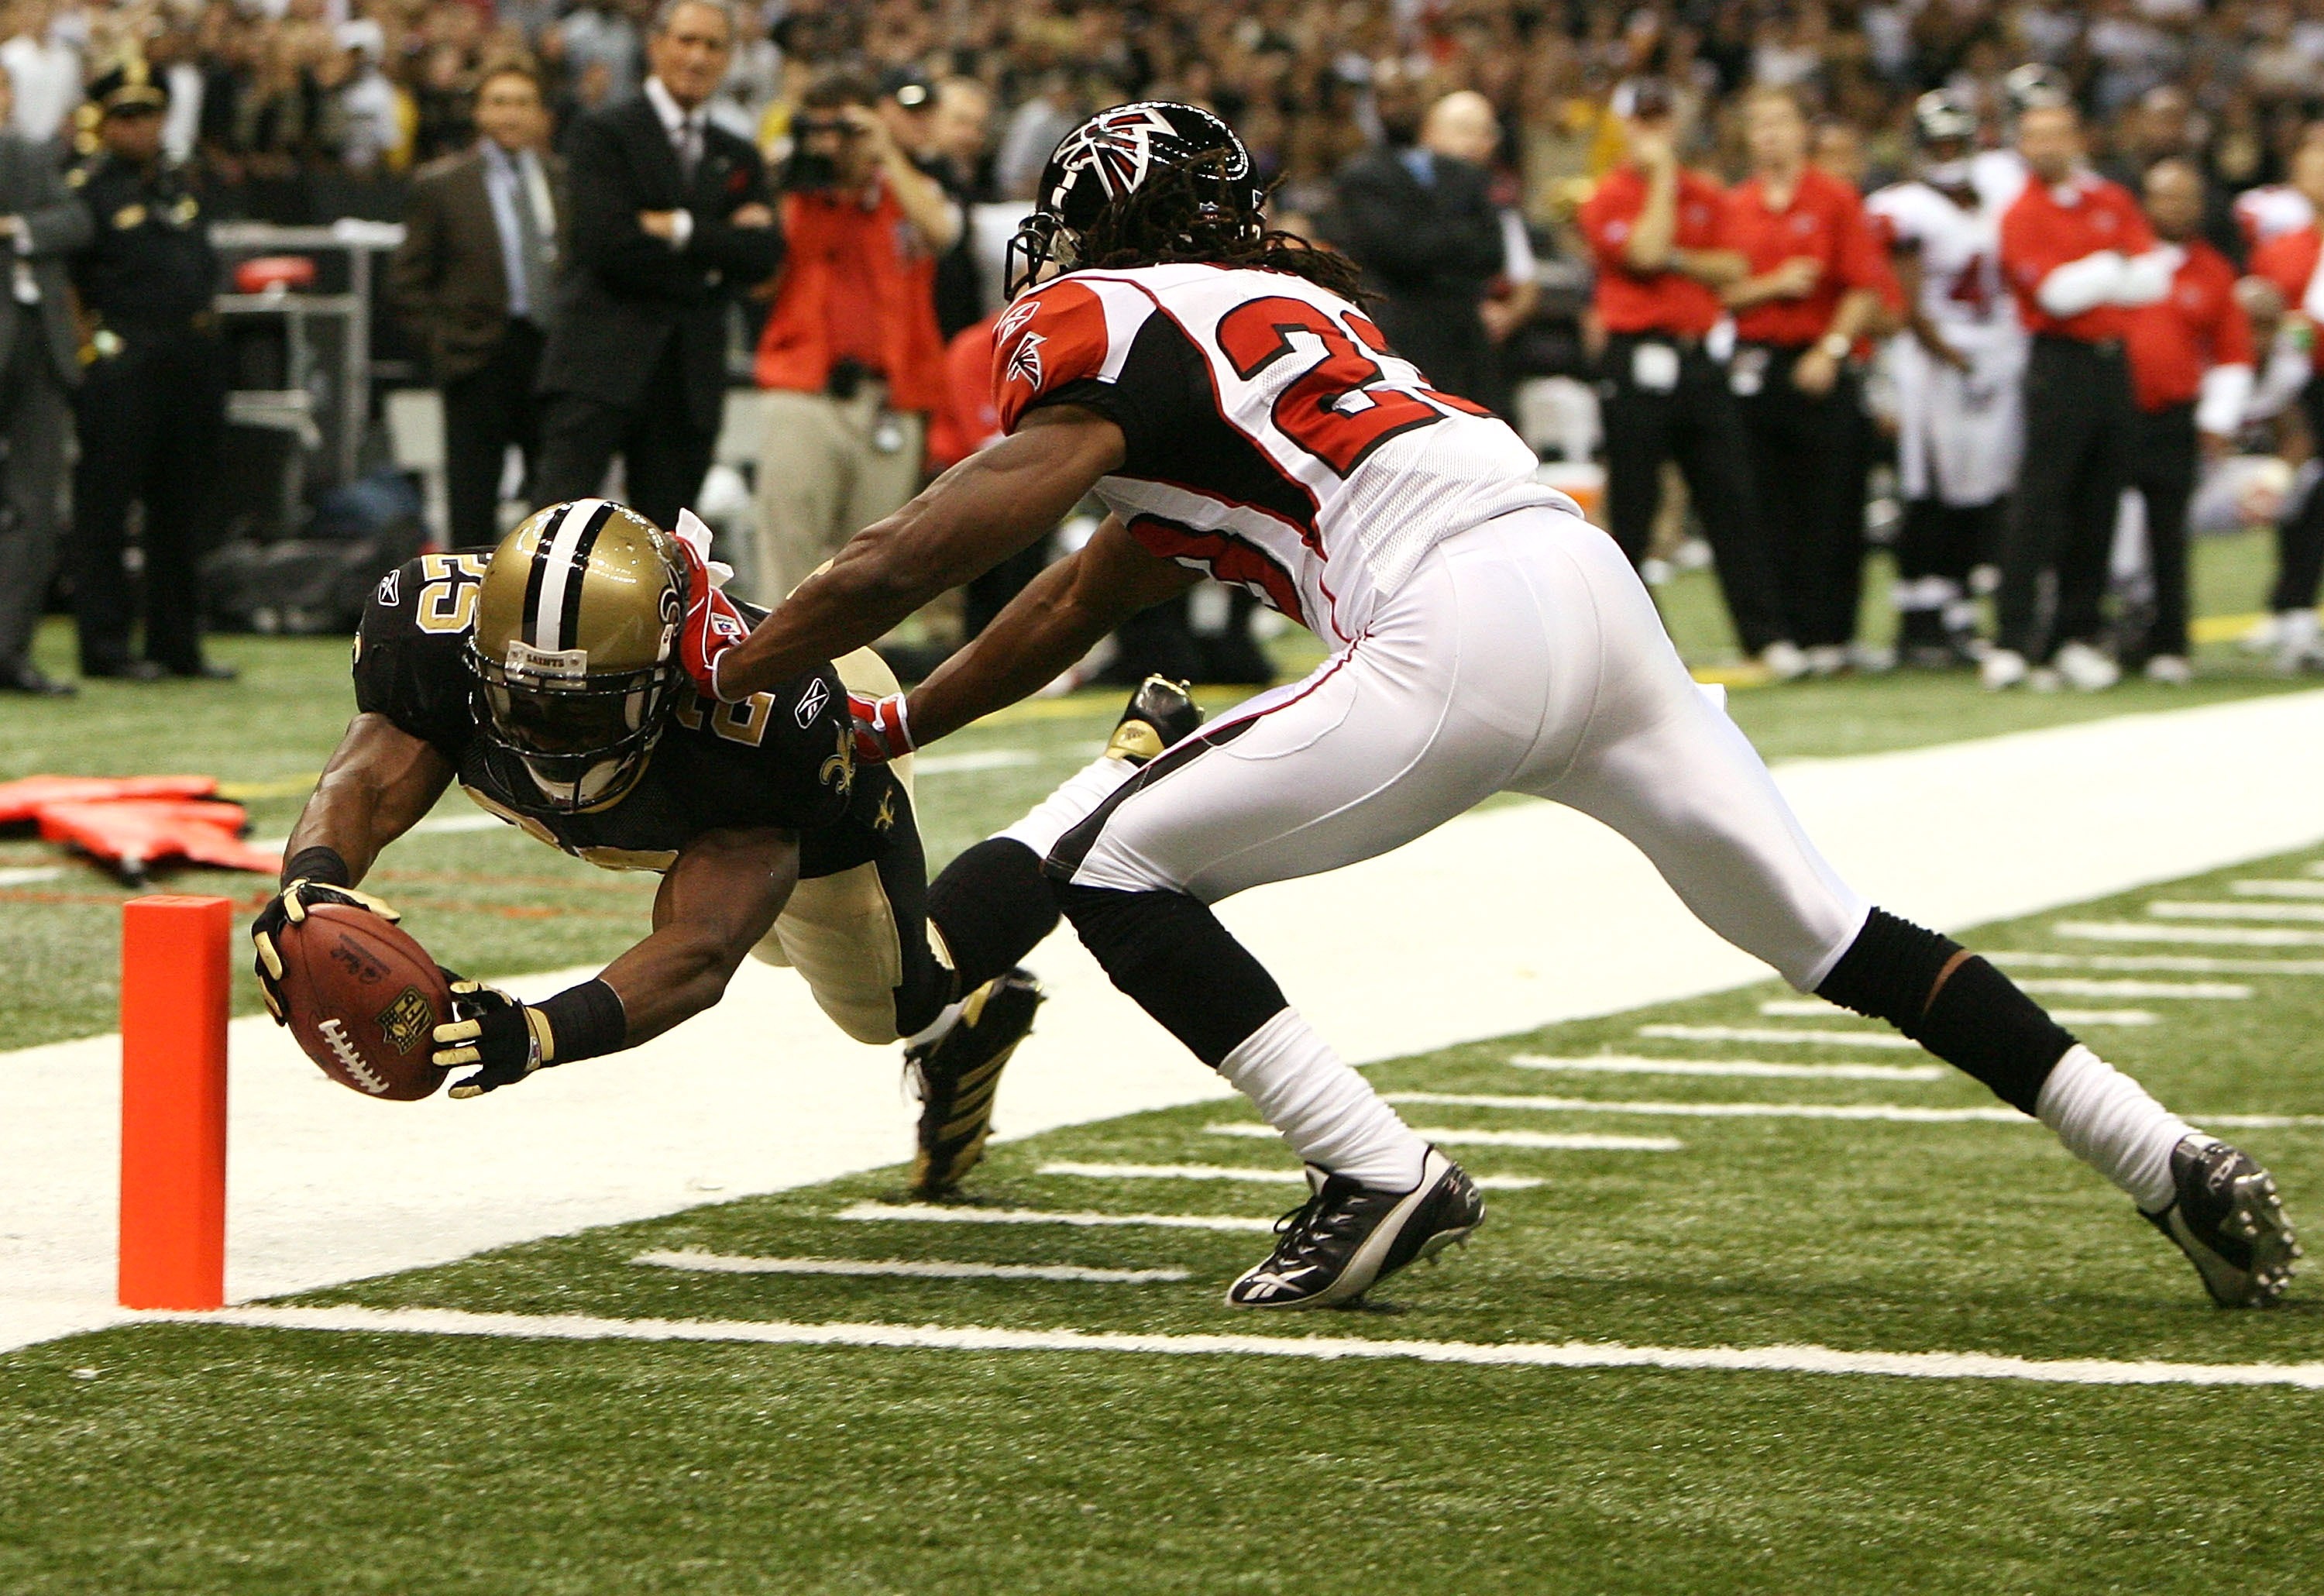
(937, 116)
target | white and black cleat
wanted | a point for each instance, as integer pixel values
(2229, 1222)
(955, 1076)
(1346, 1238)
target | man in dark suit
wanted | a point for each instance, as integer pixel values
(1423, 226)
(41, 223)
(670, 216)
(475, 278)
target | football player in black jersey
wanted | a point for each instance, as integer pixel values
(543, 678)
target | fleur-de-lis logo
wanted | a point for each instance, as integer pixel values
(838, 771)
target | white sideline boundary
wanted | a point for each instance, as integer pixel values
(1776, 1359)
(761, 1093)
(1614, 1063)
(721, 1263)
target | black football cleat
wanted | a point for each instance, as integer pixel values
(956, 1075)
(1160, 713)
(1348, 1237)
(2229, 1222)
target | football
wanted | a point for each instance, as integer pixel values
(364, 999)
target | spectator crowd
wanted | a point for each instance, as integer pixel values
(1465, 152)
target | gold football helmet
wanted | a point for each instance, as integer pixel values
(574, 655)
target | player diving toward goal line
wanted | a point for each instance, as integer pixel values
(1218, 387)
(544, 678)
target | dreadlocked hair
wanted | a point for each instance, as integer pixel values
(1168, 220)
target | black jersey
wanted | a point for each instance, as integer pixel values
(782, 759)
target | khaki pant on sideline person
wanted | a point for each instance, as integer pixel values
(824, 477)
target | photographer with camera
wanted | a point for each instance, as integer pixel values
(850, 355)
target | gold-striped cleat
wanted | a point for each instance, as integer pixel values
(956, 1077)
(1160, 713)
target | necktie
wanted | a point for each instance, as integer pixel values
(690, 146)
(528, 242)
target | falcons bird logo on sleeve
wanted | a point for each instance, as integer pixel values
(1025, 361)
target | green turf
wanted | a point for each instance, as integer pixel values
(188, 1459)
(493, 903)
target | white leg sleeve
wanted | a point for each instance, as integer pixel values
(2109, 1122)
(1329, 1113)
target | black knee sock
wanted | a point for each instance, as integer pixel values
(1951, 1001)
(992, 907)
(1169, 953)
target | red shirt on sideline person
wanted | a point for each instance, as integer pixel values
(1665, 301)
(2199, 325)
(1824, 223)
(2289, 260)
(2049, 227)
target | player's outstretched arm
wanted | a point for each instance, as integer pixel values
(717, 899)
(380, 781)
(1058, 617)
(988, 507)
(716, 902)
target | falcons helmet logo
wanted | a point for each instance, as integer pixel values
(1116, 146)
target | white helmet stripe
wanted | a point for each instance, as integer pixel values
(558, 548)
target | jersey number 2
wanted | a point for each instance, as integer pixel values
(1342, 407)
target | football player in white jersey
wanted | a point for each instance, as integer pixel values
(1216, 385)
(1957, 367)
(2000, 174)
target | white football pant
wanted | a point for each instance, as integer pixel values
(1958, 434)
(1522, 656)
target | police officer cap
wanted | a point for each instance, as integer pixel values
(127, 88)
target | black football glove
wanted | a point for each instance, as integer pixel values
(290, 907)
(509, 1039)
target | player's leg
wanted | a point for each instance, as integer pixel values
(1637, 424)
(1713, 455)
(1666, 768)
(2064, 417)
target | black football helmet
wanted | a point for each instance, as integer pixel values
(2035, 87)
(1112, 155)
(1940, 117)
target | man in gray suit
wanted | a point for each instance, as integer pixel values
(474, 281)
(41, 224)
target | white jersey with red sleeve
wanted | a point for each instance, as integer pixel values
(1960, 250)
(1273, 439)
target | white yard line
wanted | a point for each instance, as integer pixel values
(2173, 910)
(2277, 889)
(935, 1213)
(717, 1263)
(2185, 963)
(1490, 1183)
(984, 758)
(2213, 935)
(761, 1093)
(1782, 1359)
(1812, 1008)
(1618, 1064)
(2215, 991)
(1779, 1035)
(1534, 1140)
(1899, 1113)
(28, 875)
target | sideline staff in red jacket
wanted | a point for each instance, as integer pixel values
(2190, 371)
(1656, 234)
(1819, 278)
(2078, 255)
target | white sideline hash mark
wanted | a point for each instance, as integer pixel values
(1764, 1033)
(2310, 888)
(2224, 992)
(934, 1214)
(1811, 1009)
(717, 1263)
(2216, 935)
(1490, 1183)
(1624, 1064)
(1779, 1359)
(2173, 909)
(1899, 1113)
(988, 759)
(29, 874)
(1539, 1141)
(2185, 963)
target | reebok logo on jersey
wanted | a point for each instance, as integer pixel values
(811, 702)
(389, 586)
(1025, 362)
